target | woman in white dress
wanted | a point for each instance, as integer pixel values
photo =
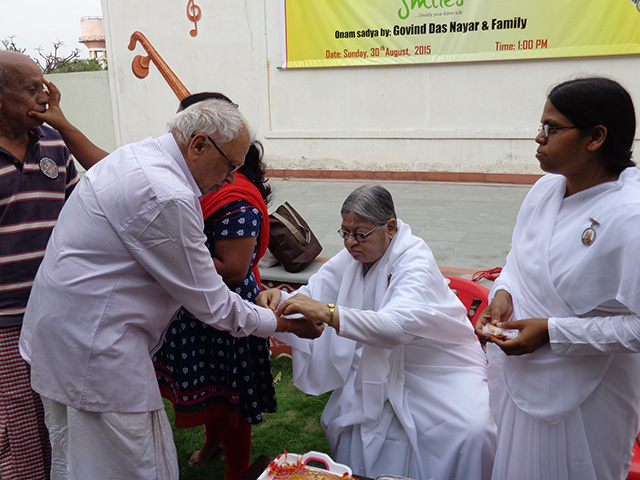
(566, 390)
(408, 374)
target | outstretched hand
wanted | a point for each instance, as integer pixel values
(304, 327)
(269, 298)
(299, 324)
(301, 308)
(308, 307)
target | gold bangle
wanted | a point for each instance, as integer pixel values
(332, 309)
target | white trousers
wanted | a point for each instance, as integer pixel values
(109, 446)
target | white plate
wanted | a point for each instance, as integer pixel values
(291, 458)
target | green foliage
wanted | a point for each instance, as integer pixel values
(78, 65)
(295, 428)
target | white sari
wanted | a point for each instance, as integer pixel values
(570, 410)
(409, 377)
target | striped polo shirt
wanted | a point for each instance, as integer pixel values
(31, 197)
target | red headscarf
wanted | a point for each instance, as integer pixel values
(241, 189)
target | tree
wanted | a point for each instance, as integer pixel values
(11, 46)
(79, 65)
(53, 63)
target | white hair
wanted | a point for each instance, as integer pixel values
(216, 118)
(372, 202)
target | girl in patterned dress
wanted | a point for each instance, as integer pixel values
(211, 377)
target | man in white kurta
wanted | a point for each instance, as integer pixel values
(570, 410)
(127, 252)
(408, 373)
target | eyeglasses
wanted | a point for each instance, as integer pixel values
(232, 167)
(345, 234)
(546, 129)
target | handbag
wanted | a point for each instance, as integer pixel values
(291, 240)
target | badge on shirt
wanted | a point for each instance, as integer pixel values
(589, 234)
(49, 167)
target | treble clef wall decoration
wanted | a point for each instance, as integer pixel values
(193, 13)
(140, 65)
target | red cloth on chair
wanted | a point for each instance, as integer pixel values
(488, 274)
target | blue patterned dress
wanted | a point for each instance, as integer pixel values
(206, 372)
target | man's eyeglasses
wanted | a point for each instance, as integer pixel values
(345, 234)
(546, 129)
(232, 167)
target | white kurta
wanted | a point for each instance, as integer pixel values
(409, 377)
(128, 249)
(570, 410)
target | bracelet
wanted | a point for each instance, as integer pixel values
(332, 309)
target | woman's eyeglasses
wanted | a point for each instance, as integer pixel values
(345, 234)
(546, 129)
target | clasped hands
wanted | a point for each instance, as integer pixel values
(299, 314)
(533, 332)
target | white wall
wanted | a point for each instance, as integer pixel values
(86, 102)
(471, 117)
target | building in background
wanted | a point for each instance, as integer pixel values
(92, 30)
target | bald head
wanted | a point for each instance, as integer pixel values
(21, 92)
(11, 64)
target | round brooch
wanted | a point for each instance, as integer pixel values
(49, 167)
(588, 236)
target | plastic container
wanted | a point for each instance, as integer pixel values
(292, 458)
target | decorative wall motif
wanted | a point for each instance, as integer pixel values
(140, 65)
(193, 14)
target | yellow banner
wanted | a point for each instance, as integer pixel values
(341, 33)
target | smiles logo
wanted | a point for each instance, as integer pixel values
(409, 5)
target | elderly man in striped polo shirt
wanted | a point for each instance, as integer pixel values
(37, 174)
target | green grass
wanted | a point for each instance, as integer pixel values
(295, 427)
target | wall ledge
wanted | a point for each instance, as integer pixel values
(471, 177)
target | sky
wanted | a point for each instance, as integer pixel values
(43, 22)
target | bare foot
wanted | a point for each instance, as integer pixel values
(202, 456)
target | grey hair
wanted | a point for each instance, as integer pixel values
(217, 118)
(372, 202)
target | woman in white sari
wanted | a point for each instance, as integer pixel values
(566, 394)
(408, 374)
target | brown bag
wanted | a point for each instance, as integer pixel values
(291, 240)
